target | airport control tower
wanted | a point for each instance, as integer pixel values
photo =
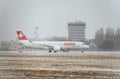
(76, 31)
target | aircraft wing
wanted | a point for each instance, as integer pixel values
(44, 46)
(47, 46)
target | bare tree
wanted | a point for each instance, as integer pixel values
(99, 37)
(117, 39)
(109, 34)
(108, 43)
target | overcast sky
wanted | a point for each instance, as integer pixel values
(52, 16)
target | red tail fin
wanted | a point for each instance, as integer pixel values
(21, 36)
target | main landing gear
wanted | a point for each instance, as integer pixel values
(82, 51)
(53, 51)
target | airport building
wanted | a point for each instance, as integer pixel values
(15, 46)
(76, 31)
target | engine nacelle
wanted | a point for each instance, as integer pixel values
(57, 48)
(65, 49)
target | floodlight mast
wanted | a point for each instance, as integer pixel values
(36, 32)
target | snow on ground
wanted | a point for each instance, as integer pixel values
(92, 63)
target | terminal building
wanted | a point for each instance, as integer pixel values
(76, 31)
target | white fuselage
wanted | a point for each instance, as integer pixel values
(57, 46)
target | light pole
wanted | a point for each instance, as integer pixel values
(36, 32)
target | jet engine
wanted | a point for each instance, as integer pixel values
(57, 48)
(60, 49)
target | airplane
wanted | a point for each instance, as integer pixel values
(51, 46)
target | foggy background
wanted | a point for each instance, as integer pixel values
(52, 16)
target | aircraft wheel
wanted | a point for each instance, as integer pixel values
(20, 51)
(50, 51)
(55, 51)
(82, 51)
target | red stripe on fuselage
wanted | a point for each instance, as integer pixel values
(69, 43)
